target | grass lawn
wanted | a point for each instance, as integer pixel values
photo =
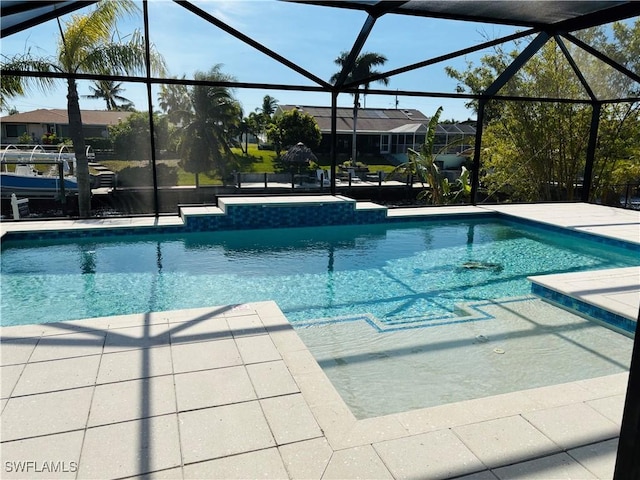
(255, 161)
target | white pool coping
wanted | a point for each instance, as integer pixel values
(615, 290)
(72, 392)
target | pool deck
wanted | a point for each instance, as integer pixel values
(232, 392)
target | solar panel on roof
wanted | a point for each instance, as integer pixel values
(372, 114)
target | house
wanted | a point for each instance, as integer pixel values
(384, 131)
(38, 122)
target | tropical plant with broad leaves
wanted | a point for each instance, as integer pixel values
(422, 166)
(88, 44)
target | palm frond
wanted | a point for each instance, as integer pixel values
(84, 33)
(14, 85)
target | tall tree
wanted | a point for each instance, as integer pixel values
(86, 45)
(205, 138)
(536, 151)
(258, 121)
(110, 91)
(256, 124)
(174, 101)
(131, 136)
(269, 105)
(363, 68)
(292, 127)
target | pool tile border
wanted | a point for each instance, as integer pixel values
(574, 305)
(263, 212)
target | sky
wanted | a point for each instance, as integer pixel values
(310, 36)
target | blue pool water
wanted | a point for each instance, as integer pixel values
(394, 273)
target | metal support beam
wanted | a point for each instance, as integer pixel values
(375, 12)
(613, 13)
(349, 63)
(334, 139)
(575, 68)
(477, 148)
(452, 55)
(385, 6)
(250, 41)
(152, 139)
(627, 458)
(49, 11)
(591, 151)
(517, 63)
(601, 56)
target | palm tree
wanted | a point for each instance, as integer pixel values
(204, 143)
(174, 101)
(86, 45)
(361, 71)
(269, 105)
(244, 128)
(109, 91)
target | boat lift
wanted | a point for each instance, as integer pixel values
(25, 182)
(23, 159)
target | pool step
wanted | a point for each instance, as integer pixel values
(610, 296)
(463, 313)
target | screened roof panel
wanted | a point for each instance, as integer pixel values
(535, 13)
(18, 15)
(511, 12)
(555, 17)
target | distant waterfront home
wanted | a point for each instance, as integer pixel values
(38, 122)
(383, 131)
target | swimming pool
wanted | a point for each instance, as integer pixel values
(400, 316)
(397, 275)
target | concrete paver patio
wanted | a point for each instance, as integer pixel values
(232, 392)
(210, 405)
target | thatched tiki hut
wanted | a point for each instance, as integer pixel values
(299, 157)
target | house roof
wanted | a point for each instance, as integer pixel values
(60, 117)
(372, 120)
(456, 128)
(378, 120)
(410, 128)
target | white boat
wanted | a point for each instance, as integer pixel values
(26, 181)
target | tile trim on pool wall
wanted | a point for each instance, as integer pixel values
(290, 213)
(570, 231)
(251, 217)
(474, 313)
(583, 308)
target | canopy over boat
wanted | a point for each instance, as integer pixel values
(26, 181)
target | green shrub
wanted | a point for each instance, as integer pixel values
(99, 143)
(49, 138)
(143, 176)
(25, 139)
